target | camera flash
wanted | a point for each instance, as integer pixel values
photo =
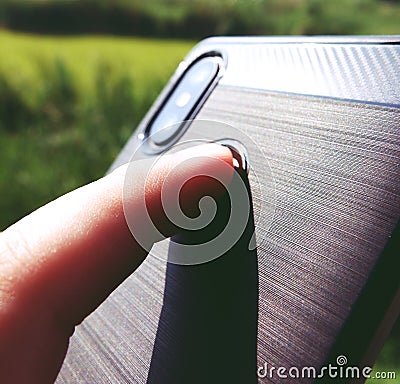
(183, 99)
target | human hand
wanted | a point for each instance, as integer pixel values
(58, 264)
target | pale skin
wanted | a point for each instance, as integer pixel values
(58, 264)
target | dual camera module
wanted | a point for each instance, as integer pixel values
(183, 101)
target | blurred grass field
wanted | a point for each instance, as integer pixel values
(67, 105)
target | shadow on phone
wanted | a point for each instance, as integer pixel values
(207, 330)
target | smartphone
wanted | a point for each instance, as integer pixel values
(309, 289)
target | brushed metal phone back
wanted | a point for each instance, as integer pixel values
(324, 182)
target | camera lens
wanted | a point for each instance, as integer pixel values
(183, 101)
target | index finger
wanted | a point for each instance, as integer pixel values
(69, 255)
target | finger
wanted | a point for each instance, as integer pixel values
(69, 255)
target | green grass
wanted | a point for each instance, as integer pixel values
(27, 60)
(67, 105)
(197, 19)
(389, 359)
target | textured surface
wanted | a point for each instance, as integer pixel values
(336, 167)
(365, 72)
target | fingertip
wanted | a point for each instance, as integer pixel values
(210, 150)
(219, 151)
(179, 180)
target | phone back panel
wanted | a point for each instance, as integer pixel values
(326, 199)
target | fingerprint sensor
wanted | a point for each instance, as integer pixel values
(239, 152)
